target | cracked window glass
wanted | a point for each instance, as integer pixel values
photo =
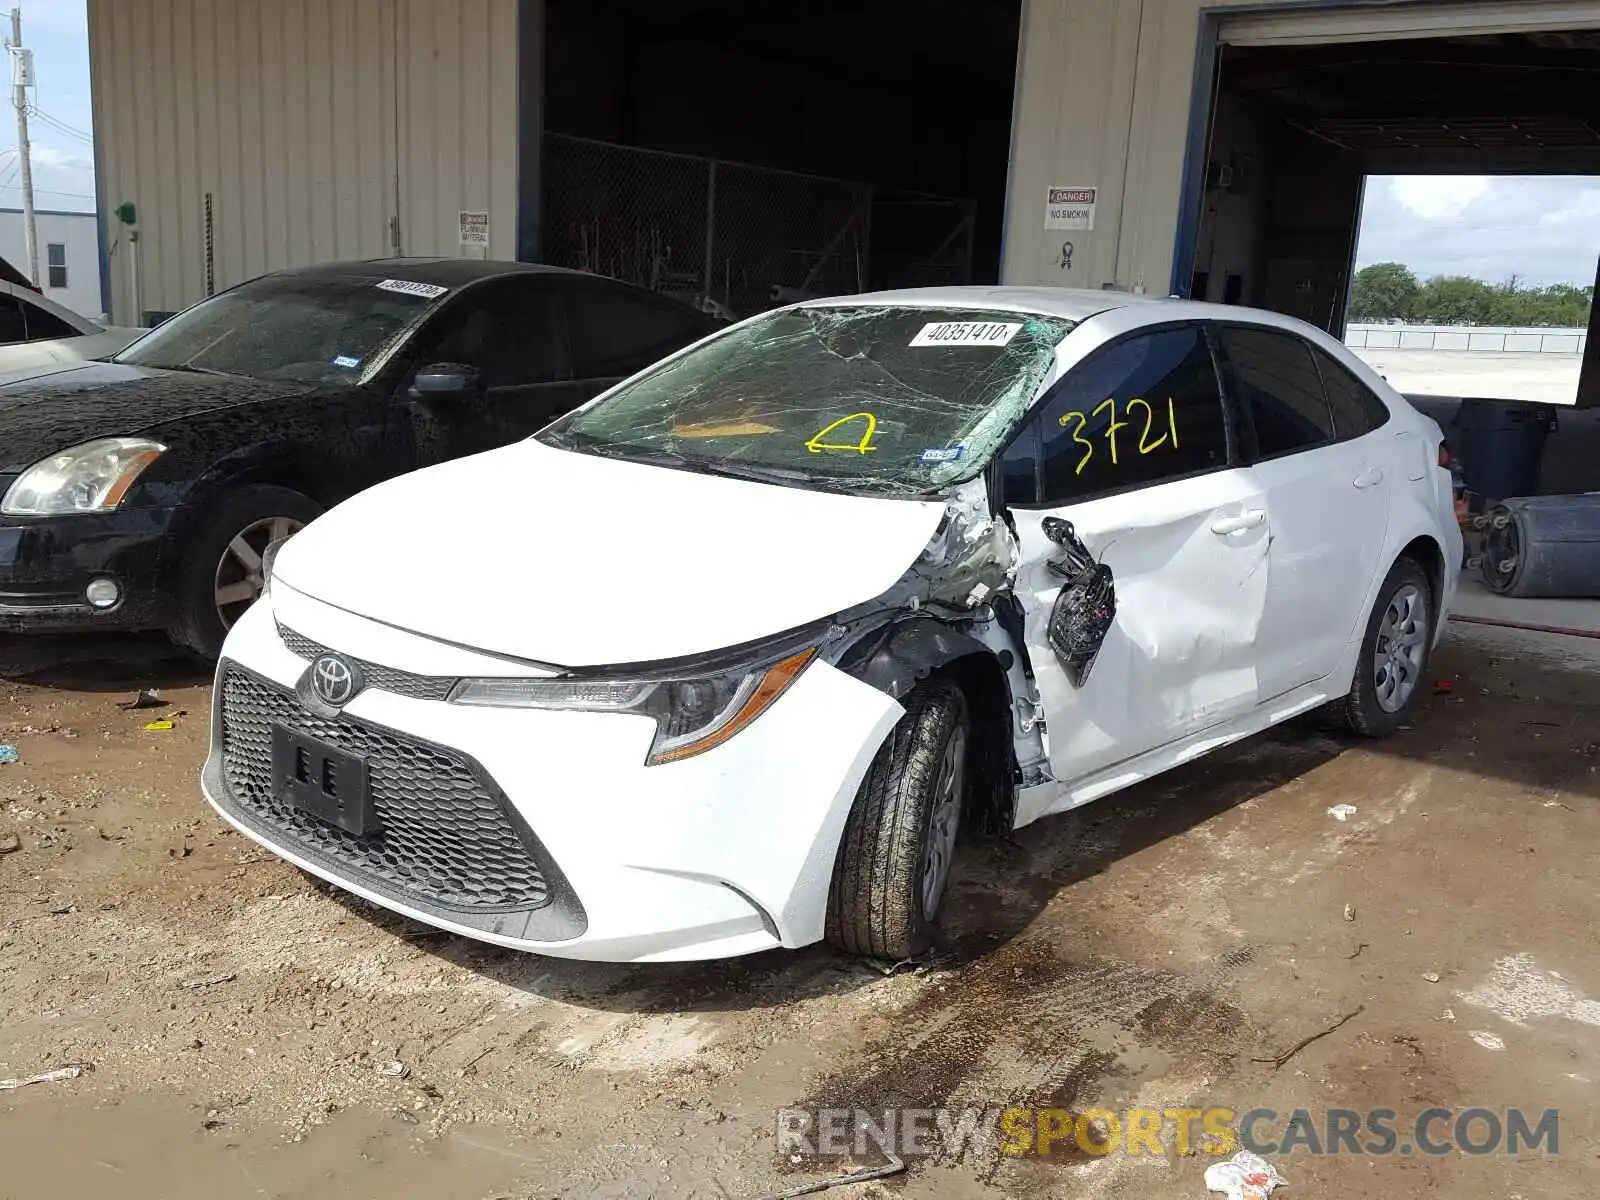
(884, 401)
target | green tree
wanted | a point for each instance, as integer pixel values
(1384, 292)
(1457, 300)
(1390, 292)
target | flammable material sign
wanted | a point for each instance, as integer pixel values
(474, 229)
(1070, 208)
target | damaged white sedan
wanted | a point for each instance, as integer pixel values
(728, 658)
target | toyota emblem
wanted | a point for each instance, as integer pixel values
(334, 680)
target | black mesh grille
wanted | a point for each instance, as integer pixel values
(444, 836)
(385, 679)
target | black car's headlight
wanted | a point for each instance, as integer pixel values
(93, 477)
(692, 714)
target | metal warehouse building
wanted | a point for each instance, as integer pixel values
(740, 153)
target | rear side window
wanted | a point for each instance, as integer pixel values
(44, 325)
(616, 332)
(12, 327)
(1355, 409)
(1280, 387)
(1139, 412)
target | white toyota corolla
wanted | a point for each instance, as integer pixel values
(727, 658)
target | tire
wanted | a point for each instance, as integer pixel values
(257, 514)
(910, 800)
(1389, 666)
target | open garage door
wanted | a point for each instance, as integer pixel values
(1308, 104)
(1384, 23)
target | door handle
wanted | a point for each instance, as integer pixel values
(1369, 478)
(1245, 520)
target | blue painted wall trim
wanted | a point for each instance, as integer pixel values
(530, 127)
(1196, 152)
(101, 216)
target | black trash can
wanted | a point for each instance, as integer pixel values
(1501, 446)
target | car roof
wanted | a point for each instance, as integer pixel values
(447, 272)
(1074, 304)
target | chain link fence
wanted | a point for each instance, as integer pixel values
(738, 239)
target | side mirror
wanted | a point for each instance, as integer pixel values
(447, 381)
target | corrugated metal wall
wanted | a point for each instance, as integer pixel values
(1104, 94)
(1103, 101)
(323, 129)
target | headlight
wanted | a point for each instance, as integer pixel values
(93, 477)
(692, 715)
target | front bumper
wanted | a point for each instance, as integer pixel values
(575, 847)
(46, 563)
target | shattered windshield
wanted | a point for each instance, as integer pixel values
(874, 400)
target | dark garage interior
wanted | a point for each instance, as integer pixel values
(855, 145)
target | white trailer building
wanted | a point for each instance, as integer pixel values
(69, 255)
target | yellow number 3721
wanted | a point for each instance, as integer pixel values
(1146, 446)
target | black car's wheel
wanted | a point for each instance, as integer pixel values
(1394, 654)
(894, 858)
(221, 575)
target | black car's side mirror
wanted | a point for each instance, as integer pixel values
(447, 381)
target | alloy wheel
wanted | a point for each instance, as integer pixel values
(240, 579)
(944, 821)
(1401, 648)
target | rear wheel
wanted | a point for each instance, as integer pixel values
(894, 859)
(222, 573)
(1394, 654)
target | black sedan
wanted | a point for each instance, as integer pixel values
(140, 492)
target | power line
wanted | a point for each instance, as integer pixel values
(60, 126)
(65, 126)
(48, 192)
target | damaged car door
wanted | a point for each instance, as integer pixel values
(1328, 489)
(1130, 459)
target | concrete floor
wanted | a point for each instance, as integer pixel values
(1475, 602)
(1545, 378)
(254, 1034)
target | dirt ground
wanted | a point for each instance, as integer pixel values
(254, 1034)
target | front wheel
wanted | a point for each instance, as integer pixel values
(1394, 654)
(222, 572)
(894, 858)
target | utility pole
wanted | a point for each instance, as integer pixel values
(21, 80)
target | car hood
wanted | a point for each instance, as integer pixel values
(574, 560)
(43, 412)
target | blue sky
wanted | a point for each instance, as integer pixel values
(63, 164)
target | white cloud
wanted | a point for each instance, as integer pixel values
(1543, 230)
(49, 158)
(62, 179)
(1439, 197)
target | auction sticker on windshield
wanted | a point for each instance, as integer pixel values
(409, 287)
(966, 333)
